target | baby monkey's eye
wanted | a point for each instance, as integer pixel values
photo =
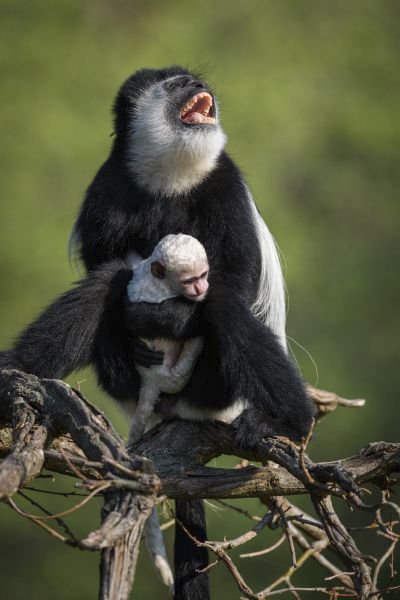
(204, 275)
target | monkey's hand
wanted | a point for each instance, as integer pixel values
(144, 356)
(165, 407)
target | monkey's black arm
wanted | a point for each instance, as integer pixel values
(176, 318)
(63, 337)
(253, 365)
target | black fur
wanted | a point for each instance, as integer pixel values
(241, 355)
(64, 336)
(189, 558)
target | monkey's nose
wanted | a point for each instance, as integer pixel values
(201, 287)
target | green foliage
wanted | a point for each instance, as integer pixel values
(310, 94)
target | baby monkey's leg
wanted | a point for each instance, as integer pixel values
(173, 379)
(148, 397)
(188, 357)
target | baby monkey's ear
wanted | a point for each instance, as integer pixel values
(158, 270)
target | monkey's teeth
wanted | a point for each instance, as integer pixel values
(197, 109)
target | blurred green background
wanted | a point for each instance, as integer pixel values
(310, 97)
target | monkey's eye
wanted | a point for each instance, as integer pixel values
(204, 275)
(189, 281)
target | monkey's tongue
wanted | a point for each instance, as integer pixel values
(195, 117)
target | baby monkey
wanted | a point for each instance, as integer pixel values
(178, 266)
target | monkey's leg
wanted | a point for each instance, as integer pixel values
(188, 357)
(148, 396)
(173, 380)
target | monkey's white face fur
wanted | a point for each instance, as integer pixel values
(180, 254)
(171, 151)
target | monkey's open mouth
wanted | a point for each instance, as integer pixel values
(199, 109)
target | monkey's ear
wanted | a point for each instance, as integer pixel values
(158, 269)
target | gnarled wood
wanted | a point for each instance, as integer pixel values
(40, 411)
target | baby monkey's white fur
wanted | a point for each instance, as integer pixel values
(183, 257)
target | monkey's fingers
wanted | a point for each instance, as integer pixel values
(145, 357)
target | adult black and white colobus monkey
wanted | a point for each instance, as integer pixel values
(168, 173)
(165, 305)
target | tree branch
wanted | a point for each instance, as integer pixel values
(179, 465)
(41, 410)
(47, 424)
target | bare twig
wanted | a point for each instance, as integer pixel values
(60, 522)
(100, 488)
(389, 552)
(277, 503)
(221, 555)
(265, 550)
(239, 510)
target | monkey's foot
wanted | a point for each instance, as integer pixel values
(253, 425)
(165, 406)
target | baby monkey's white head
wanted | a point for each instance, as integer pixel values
(178, 266)
(180, 261)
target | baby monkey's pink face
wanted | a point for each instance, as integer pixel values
(193, 284)
(181, 262)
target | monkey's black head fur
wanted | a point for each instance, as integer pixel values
(133, 88)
